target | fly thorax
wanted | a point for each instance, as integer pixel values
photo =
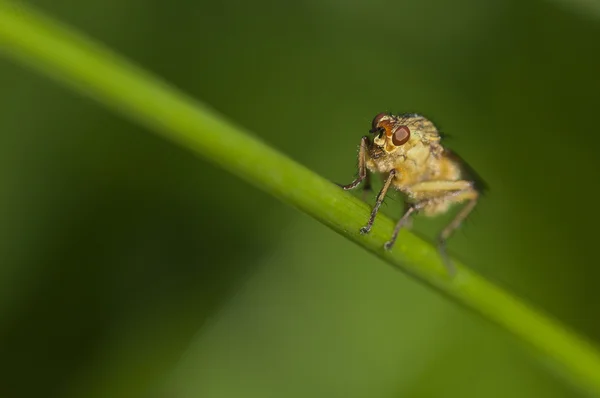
(418, 154)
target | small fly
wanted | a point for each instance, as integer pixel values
(406, 151)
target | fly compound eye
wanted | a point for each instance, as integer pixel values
(375, 123)
(401, 135)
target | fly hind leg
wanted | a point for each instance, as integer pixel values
(471, 196)
(434, 197)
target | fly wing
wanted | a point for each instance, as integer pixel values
(468, 171)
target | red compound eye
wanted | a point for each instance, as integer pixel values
(376, 120)
(401, 135)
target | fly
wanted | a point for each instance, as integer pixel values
(407, 152)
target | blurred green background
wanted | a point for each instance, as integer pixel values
(131, 268)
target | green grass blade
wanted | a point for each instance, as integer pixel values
(89, 68)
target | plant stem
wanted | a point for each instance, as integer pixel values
(87, 67)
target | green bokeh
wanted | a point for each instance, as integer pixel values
(131, 268)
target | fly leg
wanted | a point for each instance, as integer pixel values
(472, 196)
(362, 166)
(378, 202)
(367, 188)
(410, 209)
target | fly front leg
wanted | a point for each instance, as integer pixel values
(362, 166)
(378, 202)
(367, 188)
